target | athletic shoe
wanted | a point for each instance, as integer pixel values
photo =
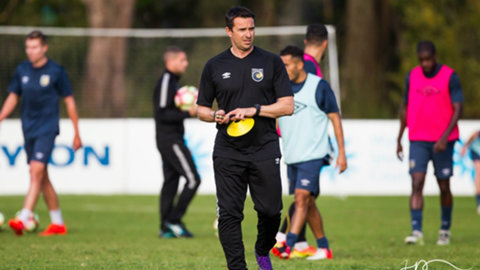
(166, 233)
(478, 209)
(321, 254)
(416, 238)
(443, 237)
(53, 229)
(302, 253)
(264, 262)
(17, 226)
(179, 230)
(281, 250)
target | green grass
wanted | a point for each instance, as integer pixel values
(120, 232)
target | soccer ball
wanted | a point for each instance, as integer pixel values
(185, 97)
(2, 222)
(32, 223)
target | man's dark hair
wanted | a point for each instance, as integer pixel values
(235, 12)
(294, 51)
(170, 50)
(38, 35)
(316, 33)
(426, 46)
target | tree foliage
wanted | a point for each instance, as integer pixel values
(376, 40)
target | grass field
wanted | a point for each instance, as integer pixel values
(120, 232)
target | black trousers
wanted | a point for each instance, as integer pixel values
(232, 178)
(177, 161)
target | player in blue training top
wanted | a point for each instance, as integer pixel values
(40, 83)
(316, 41)
(473, 144)
(306, 149)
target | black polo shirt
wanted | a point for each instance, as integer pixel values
(259, 78)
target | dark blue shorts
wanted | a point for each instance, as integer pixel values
(306, 175)
(475, 155)
(40, 148)
(422, 152)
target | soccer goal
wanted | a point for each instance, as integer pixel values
(143, 60)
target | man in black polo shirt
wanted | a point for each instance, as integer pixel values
(249, 84)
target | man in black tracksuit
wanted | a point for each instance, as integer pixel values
(247, 82)
(177, 159)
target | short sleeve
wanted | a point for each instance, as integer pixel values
(281, 82)
(407, 86)
(206, 91)
(64, 87)
(456, 93)
(310, 67)
(15, 83)
(326, 98)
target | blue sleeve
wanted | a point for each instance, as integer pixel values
(407, 86)
(310, 67)
(15, 83)
(326, 98)
(456, 93)
(64, 87)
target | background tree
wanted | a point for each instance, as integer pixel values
(104, 89)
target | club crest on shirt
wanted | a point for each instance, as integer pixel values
(44, 80)
(25, 79)
(257, 74)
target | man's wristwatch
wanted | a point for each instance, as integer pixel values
(257, 107)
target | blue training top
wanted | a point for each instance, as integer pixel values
(324, 96)
(40, 89)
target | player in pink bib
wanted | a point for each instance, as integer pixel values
(432, 106)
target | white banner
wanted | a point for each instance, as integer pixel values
(120, 157)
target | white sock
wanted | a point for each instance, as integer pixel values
(24, 215)
(280, 237)
(301, 245)
(56, 216)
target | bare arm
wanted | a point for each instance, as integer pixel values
(284, 106)
(469, 141)
(441, 144)
(337, 128)
(72, 113)
(8, 106)
(403, 124)
(208, 115)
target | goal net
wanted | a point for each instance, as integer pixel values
(144, 49)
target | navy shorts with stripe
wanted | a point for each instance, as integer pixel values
(422, 152)
(306, 175)
(40, 148)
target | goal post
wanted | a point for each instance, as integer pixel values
(270, 38)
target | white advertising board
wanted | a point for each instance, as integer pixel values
(120, 157)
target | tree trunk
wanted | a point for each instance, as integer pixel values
(365, 57)
(104, 85)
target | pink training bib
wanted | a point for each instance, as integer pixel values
(308, 57)
(429, 108)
